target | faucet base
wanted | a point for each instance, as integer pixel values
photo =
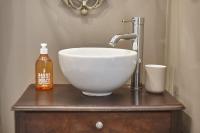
(134, 88)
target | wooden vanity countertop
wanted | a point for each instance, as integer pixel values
(65, 97)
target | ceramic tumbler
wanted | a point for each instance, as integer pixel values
(155, 78)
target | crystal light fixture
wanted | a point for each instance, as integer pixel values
(83, 5)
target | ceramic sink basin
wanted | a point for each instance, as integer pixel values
(97, 71)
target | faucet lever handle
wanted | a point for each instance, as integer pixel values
(127, 21)
(134, 20)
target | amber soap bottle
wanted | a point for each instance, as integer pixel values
(44, 70)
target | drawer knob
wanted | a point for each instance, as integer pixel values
(99, 125)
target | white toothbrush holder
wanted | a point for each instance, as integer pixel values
(155, 78)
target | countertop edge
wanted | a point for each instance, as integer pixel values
(90, 109)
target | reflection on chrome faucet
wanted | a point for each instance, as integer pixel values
(137, 36)
(137, 97)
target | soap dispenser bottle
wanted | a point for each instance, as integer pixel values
(44, 70)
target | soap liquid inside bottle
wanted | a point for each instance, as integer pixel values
(44, 73)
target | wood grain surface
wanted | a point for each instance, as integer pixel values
(84, 122)
(65, 97)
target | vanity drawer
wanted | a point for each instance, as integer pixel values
(93, 122)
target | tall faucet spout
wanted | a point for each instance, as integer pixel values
(113, 42)
(138, 36)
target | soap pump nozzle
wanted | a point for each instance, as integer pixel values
(43, 49)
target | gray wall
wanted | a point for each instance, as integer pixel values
(184, 58)
(24, 24)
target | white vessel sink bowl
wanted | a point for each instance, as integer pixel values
(97, 71)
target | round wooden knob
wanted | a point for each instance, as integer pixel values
(99, 125)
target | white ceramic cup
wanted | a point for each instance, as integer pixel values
(155, 78)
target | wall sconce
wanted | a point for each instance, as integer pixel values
(83, 5)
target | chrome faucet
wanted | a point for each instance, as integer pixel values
(138, 38)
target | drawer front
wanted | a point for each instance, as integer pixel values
(91, 122)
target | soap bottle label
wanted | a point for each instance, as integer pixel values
(44, 78)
